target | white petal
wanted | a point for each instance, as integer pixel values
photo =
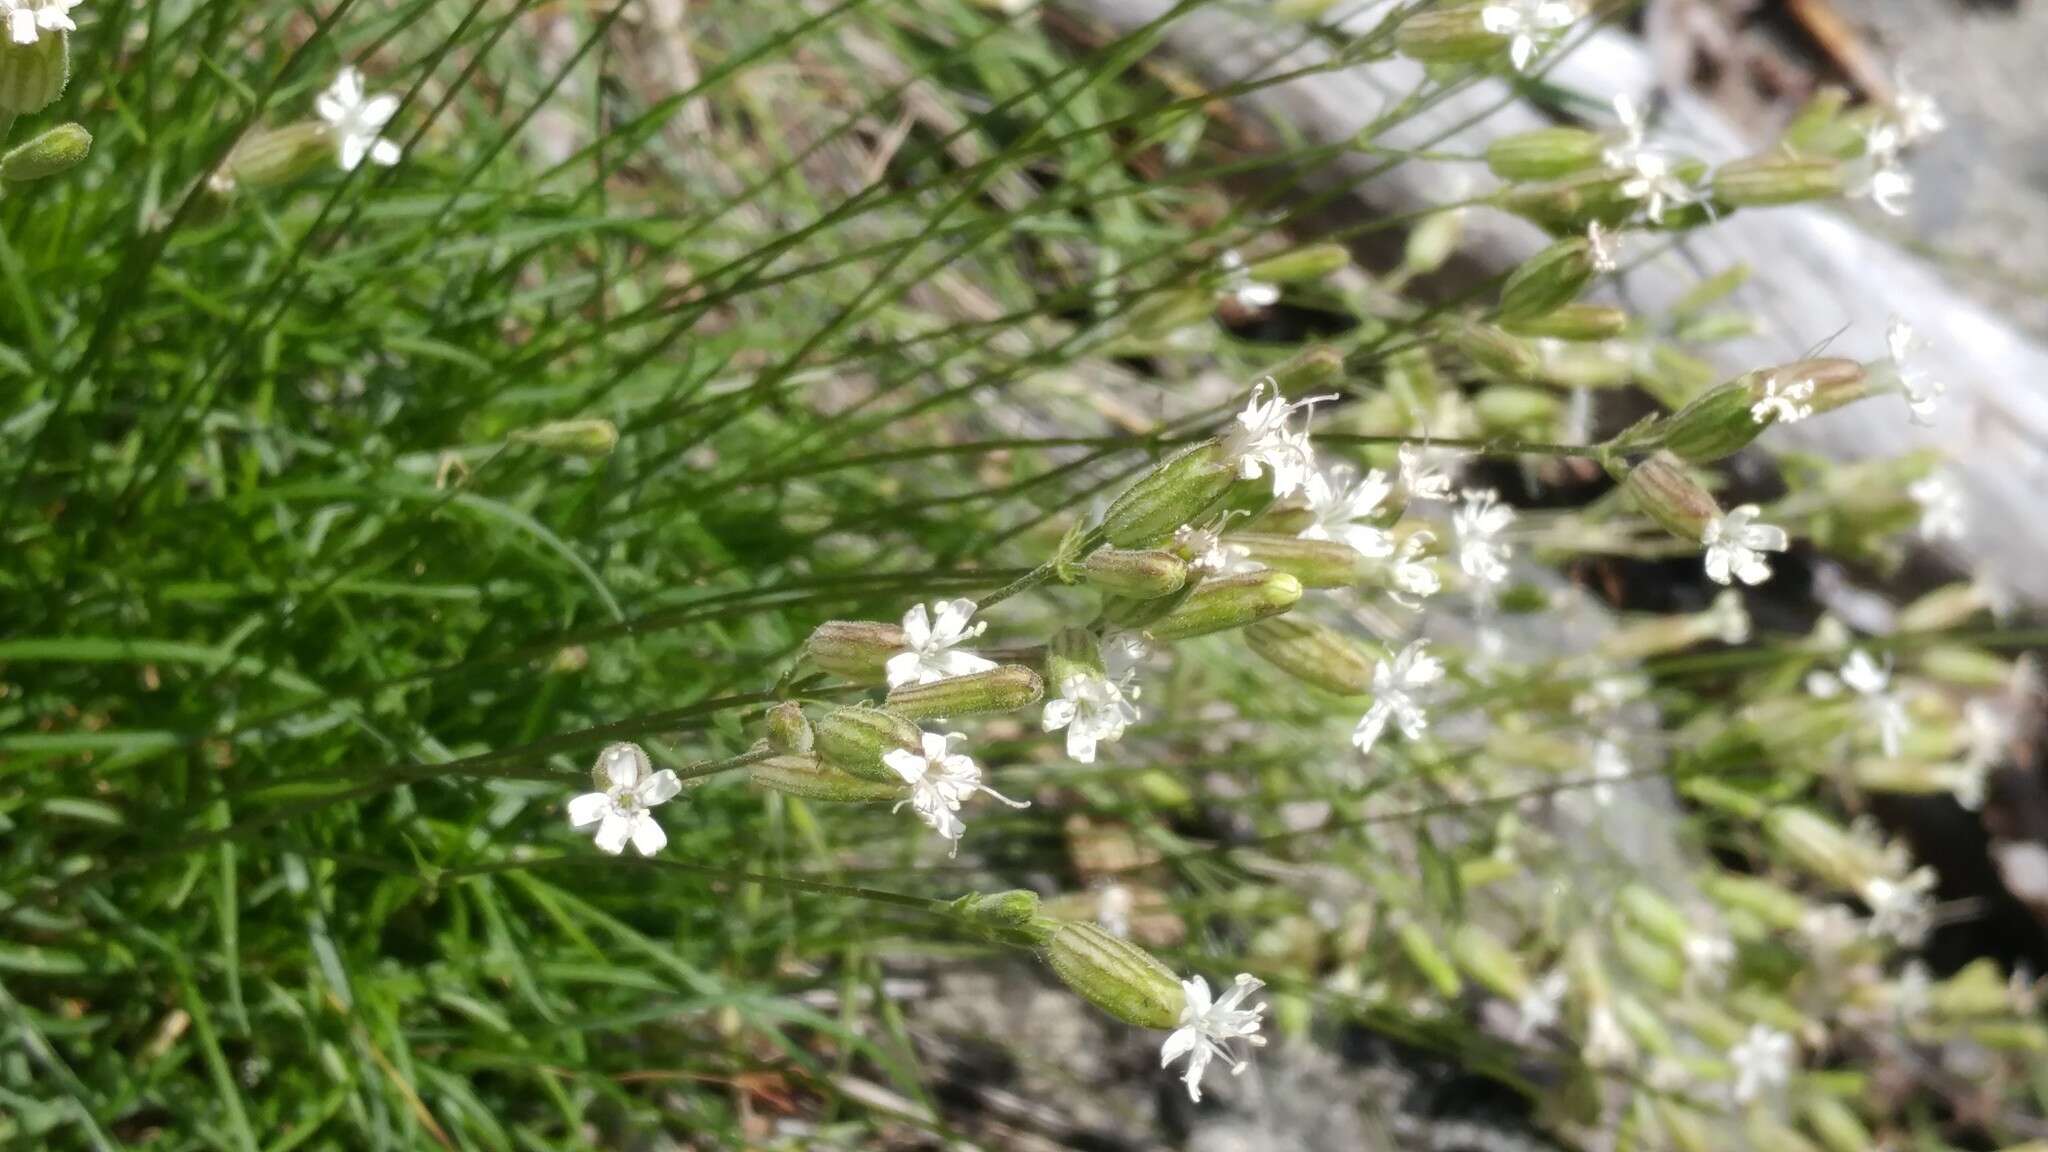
(613, 833)
(1196, 990)
(330, 109)
(660, 788)
(352, 150)
(1499, 20)
(21, 26)
(957, 663)
(1178, 1045)
(1058, 714)
(1717, 565)
(904, 668)
(1369, 727)
(384, 153)
(623, 764)
(936, 746)
(348, 87)
(648, 836)
(917, 626)
(377, 110)
(588, 809)
(1081, 743)
(1766, 538)
(906, 764)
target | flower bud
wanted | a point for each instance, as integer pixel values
(1140, 575)
(854, 740)
(1491, 349)
(2010, 1035)
(1159, 316)
(1580, 323)
(1779, 908)
(1072, 652)
(1684, 1127)
(1716, 424)
(1175, 493)
(1008, 917)
(1429, 960)
(1643, 1025)
(789, 730)
(1316, 563)
(1666, 491)
(1451, 35)
(273, 157)
(1487, 960)
(1115, 975)
(1515, 408)
(1820, 129)
(1310, 262)
(804, 776)
(1761, 181)
(591, 438)
(58, 150)
(1824, 848)
(1836, 1124)
(1651, 961)
(856, 650)
(32, 76)
(1313, 653)
(1655, 915)
(1565, 207)
(1546, 153)
(1432, 242)
(1947, 607)
(1976, 990)
(1231, 602)
(1547, 281)
(1003, 689)
(1965, 667)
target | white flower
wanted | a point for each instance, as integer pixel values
(1872, 681)
(940, 781)
(1113, 904)
(1941, 506)
(357, 119)
(1651, 175)
(1914, 114)
(1343, 505)
(1707, 958)
(1830, 929)
(1736, 544)
(1901, 909)
(1206, 1029)
(1922, 391)
(1394, 684)
(1604, 247)
(1527, 25)
(1093, 710)
(1912, 992)
(1414, 578)
(1210, 553)
(1538, 1007)
(1887, 182)
(1422, 480)
(1728, 618)
(1240, 287)
(26, 19)
(931, 639)
(1783, 405)
(1610, 764)
(1262, 440)
(1987, 736)
(1607, 1045)
(1121, 655)
(1763, 1061)
(620, 812)
(1478, 525)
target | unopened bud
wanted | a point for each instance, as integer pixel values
(1432, 242)
(1580, 323)
(1139, 574)
(1824, 848)
(1947, 607)
(593, 438)
(1486, 959)
(1516, 408)
(1008, 917)
(32, 76)
(1976, 990)
(1684, 1127)
(1429, 960)
(1231, 602)
(1316, 563)
(1820, 129)
(1313, 654)
(789, 730)
(1492, 349)
(1666, 491)
(1761, 181)
(273, 157)
(856, 650)
(854, 740)
(1003, 689)
(1453, 35)
(1175, 493)
(1652, 962)
(1547, 281)
(1115, 975)
(1546, 153)
(1072, 652)
(2010, 1035)
(1965, 667)
(1836, 1124)
(1161, 315)
(1643, 1025)
(1655, 915)
(58, 150)
(1311, 262)
(804, 776)
(1778, 907)
(1565, 207)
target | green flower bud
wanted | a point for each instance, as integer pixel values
(1761, 181)
(32, 76)
(1231, 602)
(856, 650)
(1565, 207)
(789, 730)
(1007, 917)
(1455, 35)
(1115, 975)
(1655, 915)
(1654, 964)
(1546, 153)
(1716, 424)
(804, 776)
(1949, 606)
(1485, 958)
(1547, 281)
(1314, 654)
(1316, 563)
(1491, 349)
(1974, 991)
(1140, 575)
(1821, 130)
(1965, 667)
(854, 740)
(1312, 262)
(1582, 323)
(1836, 1124)
(1684, 1127)
(2010, 1035)
(1666, 491)
(59, 150)
(1514, 408)
(1175, 493)
(1159, 316)
(273, 157)
(1432, 242)
(1781, 909)
(1824, 848)
(1003, 689)
(1429, 960)
(1643, 1026)
(592, 438)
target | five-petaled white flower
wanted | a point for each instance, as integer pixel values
(1208, 552)
(1527, 25)
(1262, 440)
(27, 19)
(1207, 1028)
(1415, 579)
(1344, 504)
(1922, 391)
(1538, 1007)
(940, 780)
(1651, 176)
(1914, 115)
(1394, 685)
(1941, 506)
(932, 638)
(1736, 544)
(1783, 402)
(357, 119)
(1902, 909)
(1482, 555)
(1420, 479)
(1763, 1061)
(620, 811)
(1093, 709)
(1872, 681)
(1239, 286)
(1604, 247)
